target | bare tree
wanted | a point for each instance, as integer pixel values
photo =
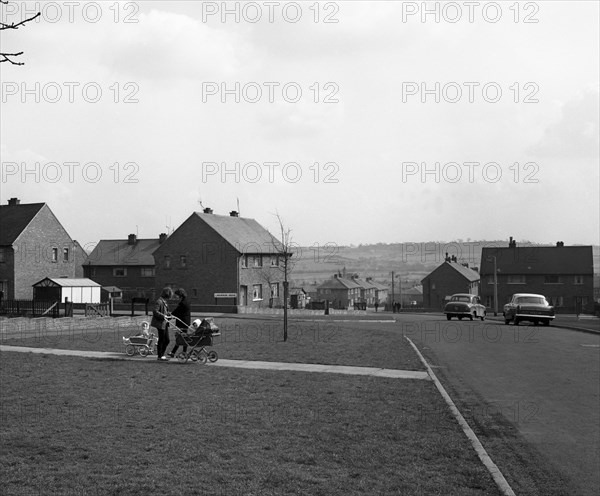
(283, 250)
(7, 57)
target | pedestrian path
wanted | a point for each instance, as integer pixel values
(241, 364)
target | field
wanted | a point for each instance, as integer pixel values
(73, 425)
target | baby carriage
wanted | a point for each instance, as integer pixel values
(143, 343)
(200, 335)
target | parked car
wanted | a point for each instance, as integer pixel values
(528, 307)
(464, 305)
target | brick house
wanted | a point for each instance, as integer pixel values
(127, 264)
(224, 260)
(341, 292)
(449, 278)
(563, 274)
(381, 291)
(34, 245)
(368, 290)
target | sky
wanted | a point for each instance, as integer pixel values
(356, 122)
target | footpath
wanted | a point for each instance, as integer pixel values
(240, 364)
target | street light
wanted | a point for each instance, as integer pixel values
(495, 287)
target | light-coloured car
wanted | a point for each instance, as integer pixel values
(528, 307)
(464, 305)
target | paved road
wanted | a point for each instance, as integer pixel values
(544, 380)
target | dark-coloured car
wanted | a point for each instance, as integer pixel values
(528, 307)
(464, 305)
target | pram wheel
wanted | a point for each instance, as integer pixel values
(182, 357)
(144, 350)
(199, 356)
(212, 356)
(130, 350)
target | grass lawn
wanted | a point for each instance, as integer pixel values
(335, 343)
(82, 426)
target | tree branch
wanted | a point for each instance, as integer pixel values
(16, 26)
(7, 55)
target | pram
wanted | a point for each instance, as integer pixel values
(200, 335)
(143, 343)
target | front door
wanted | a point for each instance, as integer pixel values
(243, 295)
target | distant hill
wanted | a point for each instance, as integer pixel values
(413, 261)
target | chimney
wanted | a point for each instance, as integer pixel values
(512, 243)
(131, 239)
(14, 201)
(233, 213)
(560, 243)
(208, 210)
(161, 238)
(447, 259)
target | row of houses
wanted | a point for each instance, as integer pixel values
(563, 274)
(230, 260)
(218, 259)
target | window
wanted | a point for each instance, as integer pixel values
(275, 290)
(120, 271)
(556, 301)
(257, 260)
(182, 260)
(244, 261)
(516, 279)
(167, 261)
(147, 271)
(194, 293)
(65, 254)
(274, 260)
(55, 254)
(2, 255)
(490, 280)
(552, 280)
(578, 279)
(257, 292)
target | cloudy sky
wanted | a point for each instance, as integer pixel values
(358, 122)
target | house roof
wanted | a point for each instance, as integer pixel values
(415, 290)
(245, 235)
(14, 219)
(363, 283)
(539, 260)
(68, 282)
(113, 252)
(379, 286)
(469, 274)
(339, 283)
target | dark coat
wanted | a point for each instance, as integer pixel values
(158, 314)
(182, 312)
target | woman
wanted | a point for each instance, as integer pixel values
(160, 322)
(182, 312)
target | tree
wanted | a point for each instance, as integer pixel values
(283, 250)
(7, 57)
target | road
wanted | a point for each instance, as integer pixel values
(543, 380)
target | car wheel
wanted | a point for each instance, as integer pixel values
(547, 322)
(448, 316)
(483, 317)
(460, 317)
(506, 321)
(471, 317)
(516, 321)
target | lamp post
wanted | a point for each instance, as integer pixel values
(495, 288)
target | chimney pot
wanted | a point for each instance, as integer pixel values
(234, 213)
(162, 237)
(131, 239)
(14, 201)
(208, 210)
